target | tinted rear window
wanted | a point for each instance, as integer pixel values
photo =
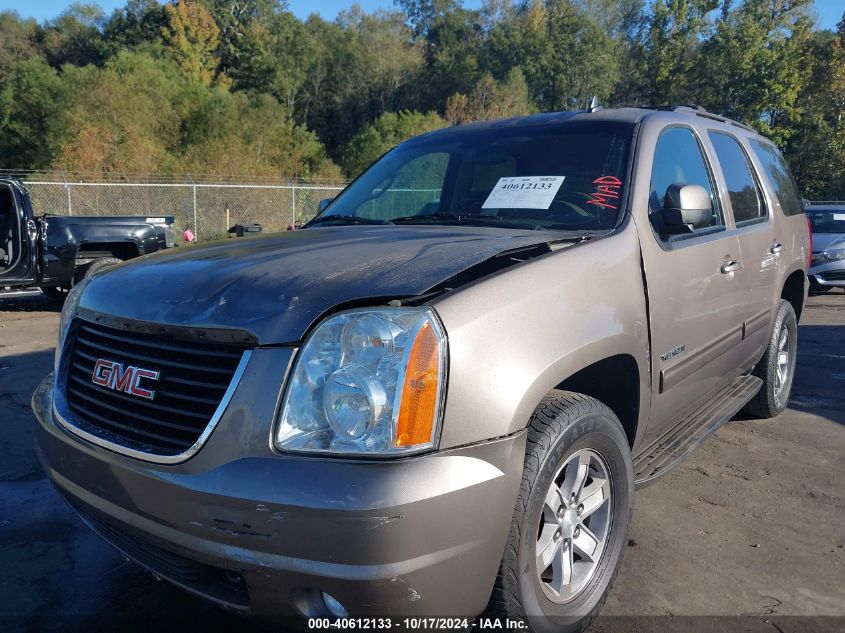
(780, 177)
(827, 220)
(746, 199)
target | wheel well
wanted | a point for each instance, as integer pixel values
(793, 291)
(121, 250)
(615, 381)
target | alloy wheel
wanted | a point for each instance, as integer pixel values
(784, 364)
(574, 526)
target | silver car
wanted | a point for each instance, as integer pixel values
(827, 220)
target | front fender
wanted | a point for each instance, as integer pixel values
(518, 334)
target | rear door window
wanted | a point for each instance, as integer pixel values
(779, 175)
(743, 190)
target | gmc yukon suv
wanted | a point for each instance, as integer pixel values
(439, 398)
(54, 252)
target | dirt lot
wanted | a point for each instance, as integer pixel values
(753, 525)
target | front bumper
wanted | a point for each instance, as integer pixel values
(828, 274)
(420, 536)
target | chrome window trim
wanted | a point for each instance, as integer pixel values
(65, 420)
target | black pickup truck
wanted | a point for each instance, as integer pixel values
(54, 252)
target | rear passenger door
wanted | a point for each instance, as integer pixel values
(759, 246)
(693, 291)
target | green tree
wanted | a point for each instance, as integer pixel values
(362, 66)
(74, 37)
(30, 101)
(16, 41)
(816, 149)
(389, 130)
(755, 65)
(278, 55)
(192, 37)
(139, 23)
(671, 49)
(491, 99)
(383, 57)
(237, 20)
(238, 134)
(625, 22)
(565, 56)
(121, 118)
(424, 15)
(452, 49)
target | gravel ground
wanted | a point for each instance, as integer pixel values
(747, 535)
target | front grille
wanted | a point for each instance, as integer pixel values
(193, 379)
(833, 275)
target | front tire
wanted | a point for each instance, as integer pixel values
(777, 367)
(572, 517)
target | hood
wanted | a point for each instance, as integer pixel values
(826, 241)
(275, 287)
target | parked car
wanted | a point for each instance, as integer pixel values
(53, 252)
(827, 222)
(439, 397)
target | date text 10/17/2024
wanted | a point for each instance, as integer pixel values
(433, 624)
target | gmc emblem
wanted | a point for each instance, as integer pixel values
(114, 376)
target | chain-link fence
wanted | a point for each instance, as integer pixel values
(207, 207)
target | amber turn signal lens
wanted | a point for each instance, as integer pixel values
(418, 409)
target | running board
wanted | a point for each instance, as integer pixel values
(679, 442)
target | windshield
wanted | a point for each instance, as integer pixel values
(561, 177)
(827, 220)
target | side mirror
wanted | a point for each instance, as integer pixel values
(323, 204)
(686, 208)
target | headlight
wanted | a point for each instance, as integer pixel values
(366, 381)
(69, 309)
(835, 255)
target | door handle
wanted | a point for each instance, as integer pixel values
(776, 248)
(731, 267)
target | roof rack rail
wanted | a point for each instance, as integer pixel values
(702, 112)
(808, 202)
(676, 106)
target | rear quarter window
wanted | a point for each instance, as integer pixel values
(779, 175)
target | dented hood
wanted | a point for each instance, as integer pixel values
(276, 287)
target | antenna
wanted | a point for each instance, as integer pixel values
(594, 106)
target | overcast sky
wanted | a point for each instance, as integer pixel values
(829, 11)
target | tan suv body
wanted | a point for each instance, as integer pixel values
(444, 411)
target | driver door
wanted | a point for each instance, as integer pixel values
(693, 291)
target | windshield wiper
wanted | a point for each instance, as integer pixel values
(477, 219)
(437, 215)
(346, 219)
(457, 218)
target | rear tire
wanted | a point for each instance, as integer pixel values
(91, 268)
(575, 443)
(777, 367)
